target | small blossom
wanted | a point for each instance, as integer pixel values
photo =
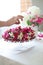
(11, 34)
(19, 34)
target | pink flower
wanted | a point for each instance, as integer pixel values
(5, 35)
(39, 21)
(12, 30)
(28, 13)
(40, 35)
(19, 34)
(34, 19)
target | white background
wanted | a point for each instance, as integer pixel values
(9, 8)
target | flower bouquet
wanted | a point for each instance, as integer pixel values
(19, 34)
(36, 21)
(33, 17)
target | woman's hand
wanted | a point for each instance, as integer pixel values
(15, 20)
(18, 18)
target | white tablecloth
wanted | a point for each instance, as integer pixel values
(31, 55)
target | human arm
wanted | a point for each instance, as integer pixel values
(11, 21)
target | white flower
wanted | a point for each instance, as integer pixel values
(20, 36)
(11, 34)
(34, 10)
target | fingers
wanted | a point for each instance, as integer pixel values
(17, 21)
(20, 17)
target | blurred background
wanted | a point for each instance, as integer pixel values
(9, 8)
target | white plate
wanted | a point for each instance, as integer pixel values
(12, 47)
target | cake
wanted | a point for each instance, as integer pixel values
(19, 34)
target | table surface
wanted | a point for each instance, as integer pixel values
(32, 56)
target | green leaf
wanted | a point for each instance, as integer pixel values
(28, 22)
